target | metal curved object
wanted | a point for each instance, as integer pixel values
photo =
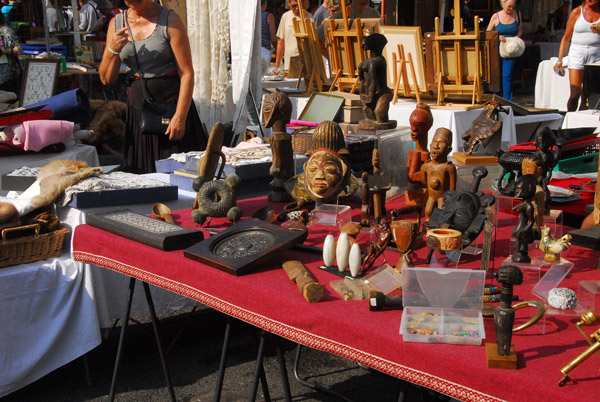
(541, 309)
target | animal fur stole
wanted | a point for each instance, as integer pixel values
(56, 176)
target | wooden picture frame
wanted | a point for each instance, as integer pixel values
(490, 60)
(412, 41)
(39, 80)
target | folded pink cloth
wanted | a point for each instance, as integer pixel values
(37, 134)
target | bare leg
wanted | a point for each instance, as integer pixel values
(575, 80)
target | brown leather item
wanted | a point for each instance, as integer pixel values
(483, 128)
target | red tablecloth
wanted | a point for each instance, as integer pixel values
(268, 299)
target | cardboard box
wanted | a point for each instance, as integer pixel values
(353, 114)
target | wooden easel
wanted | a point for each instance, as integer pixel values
(457, 84)
(312, 67)
(400, 61)
(342, 43)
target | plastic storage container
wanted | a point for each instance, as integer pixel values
(442, 305)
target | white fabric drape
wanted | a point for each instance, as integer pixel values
(208, 30)
(244, 19)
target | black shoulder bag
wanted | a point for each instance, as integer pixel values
(156, 116)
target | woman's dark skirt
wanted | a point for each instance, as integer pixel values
(142, 150)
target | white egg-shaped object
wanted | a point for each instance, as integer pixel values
(342, 251)
(354, 259)
(329, 250)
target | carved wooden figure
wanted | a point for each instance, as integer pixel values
(327, 172)
(421, 120)
(377, 247)
(504, 315)
(523, 233)
(374, 91)
(364, 197)
(438, 174)
(276, 113)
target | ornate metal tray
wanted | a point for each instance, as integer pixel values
(244, 246)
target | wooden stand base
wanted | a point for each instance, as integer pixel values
(474, 159)
(459, 106)
(494, 360)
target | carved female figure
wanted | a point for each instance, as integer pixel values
(438, 174)
(523, 232)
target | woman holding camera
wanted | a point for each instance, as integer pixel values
(583, 34)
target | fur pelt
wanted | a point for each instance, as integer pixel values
(107, 126)
(56, 176)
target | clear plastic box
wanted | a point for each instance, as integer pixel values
(331, 215)
(442, 305)
(589, 294)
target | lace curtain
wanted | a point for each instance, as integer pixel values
(208, 30)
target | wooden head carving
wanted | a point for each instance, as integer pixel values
(421, 120)
(276, 111)
(441, 145)
(329, 135)
(327, 174)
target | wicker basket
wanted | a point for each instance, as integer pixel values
(24, 249)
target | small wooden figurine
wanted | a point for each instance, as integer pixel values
(377, 247)
(504, 317)
(438, 174)
(523, 233)
(276, 113)
(374, 91)
(534, 165)
(421, 121)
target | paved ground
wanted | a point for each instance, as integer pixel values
(193, 361)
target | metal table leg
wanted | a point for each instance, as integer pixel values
(223, 362)
(312, 385)
(158, 343)
(125, 321)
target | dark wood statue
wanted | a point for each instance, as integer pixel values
(276, 113)
(421, 120)
(438, 174)
(549, 147)
(523, 233)
(378, 183)
(504, 315)
(374, 91)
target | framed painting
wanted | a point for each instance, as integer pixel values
(411, 40)
(39, 80)
(489, 61)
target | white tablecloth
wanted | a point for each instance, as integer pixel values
(584, 118)
(52, 311)
(551, 90)
(86, 153)
(514, 128)
(109, 288)
(48, 318)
